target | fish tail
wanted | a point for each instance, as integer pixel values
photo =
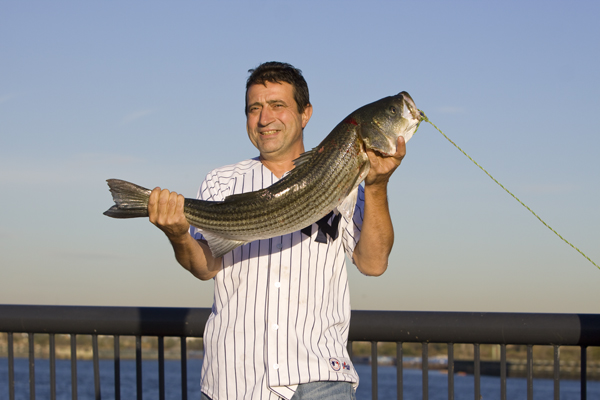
(131, 201)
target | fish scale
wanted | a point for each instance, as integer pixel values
(324, 179)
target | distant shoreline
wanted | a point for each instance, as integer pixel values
(516, 368)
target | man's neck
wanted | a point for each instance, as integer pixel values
(278, 167)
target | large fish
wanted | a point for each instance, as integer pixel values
(323, 179)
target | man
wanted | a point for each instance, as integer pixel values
(281, 313)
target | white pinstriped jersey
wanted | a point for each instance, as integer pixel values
(281, 309)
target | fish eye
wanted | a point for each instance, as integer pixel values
(393, 109)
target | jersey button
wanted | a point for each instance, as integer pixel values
(276, 366)
(277, 284)
(275, 326)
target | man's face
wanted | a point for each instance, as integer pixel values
(273, 122)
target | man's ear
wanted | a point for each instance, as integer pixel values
(306, 114)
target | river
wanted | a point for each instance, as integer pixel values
(438, 382)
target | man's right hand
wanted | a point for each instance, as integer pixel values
(165, 210)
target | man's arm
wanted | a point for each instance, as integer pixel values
(377, 234)
(165, 210)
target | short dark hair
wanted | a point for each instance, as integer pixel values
(277, 72)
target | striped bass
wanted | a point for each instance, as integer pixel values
(323, 179)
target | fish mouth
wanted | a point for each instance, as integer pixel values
(410, 110)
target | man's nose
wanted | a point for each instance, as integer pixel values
(266, 116)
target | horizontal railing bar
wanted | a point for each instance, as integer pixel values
(90, 320)
(476, 327)
(382, 326)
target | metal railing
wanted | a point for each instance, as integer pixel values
(400, 327)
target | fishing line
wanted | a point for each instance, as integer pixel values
(507, 191)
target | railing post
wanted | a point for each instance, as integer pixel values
(503, 371)
(374, 371)
(73, 366)
(183, 358)
(52, 367)
(477, 370)
(556, 372)
(583, 369)
(450, 371)
(425, 369)
(31, 366)
(161, 368)
(96, 363)
(138, 366)
(399, 371)
(117, 366)
(11, 367)
(529, 372)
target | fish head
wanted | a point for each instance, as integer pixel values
(384, 121)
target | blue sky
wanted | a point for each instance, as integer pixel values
(153, 92)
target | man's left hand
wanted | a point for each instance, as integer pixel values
(383, 167)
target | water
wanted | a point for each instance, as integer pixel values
(85, 379)
(464, 386)
(438, 382)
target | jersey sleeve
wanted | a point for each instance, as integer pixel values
(210, 190)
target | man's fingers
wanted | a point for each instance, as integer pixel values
(172, 204)
(165, 210)
(163, 203)
(382, 167)
(153, 204)
(180, 203)
(400, 148)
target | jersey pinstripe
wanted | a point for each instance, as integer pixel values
(281, 307)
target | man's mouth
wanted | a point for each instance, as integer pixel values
(268, 133)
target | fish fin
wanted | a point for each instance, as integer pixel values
(243, 196)
(131, 200)
(304, 157)
(220, 246)
(116, 212)
(348, 205)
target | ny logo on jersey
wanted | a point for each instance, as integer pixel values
(325, 228)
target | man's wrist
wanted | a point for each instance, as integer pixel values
(376, 188)
(178, 239)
